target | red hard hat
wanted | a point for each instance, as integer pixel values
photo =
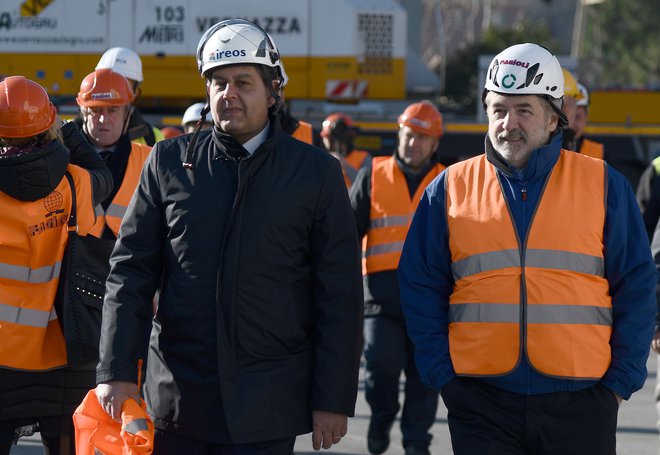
(25, 109)
(169, 132)
(423, 118)
(332, 120)
(105, 87)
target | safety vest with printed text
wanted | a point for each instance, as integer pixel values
(304, 132)
(390, 215)
(592, 149)
(113, 215)
(33, 238)
(351, 164)
(97, 432)
(548, 298)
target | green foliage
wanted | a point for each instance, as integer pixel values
(462, 73)
(623, 35)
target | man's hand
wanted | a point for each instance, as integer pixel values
(655, 343)
(113, 394)
(328, 429)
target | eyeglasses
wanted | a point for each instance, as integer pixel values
(110, 111)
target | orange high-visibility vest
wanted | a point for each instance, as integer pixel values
(592, 149)
(351, 164)
(97, 432)
(304, 132)
(117, 208)
(33, 236)
(390, 215)
(564, 320)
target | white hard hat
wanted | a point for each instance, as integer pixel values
(236, 42)
(525, 69)
(584, 101)
(192, 114)
(123, 61)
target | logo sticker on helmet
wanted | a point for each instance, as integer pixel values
(513, 81)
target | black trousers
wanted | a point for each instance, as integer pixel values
(485, 420)
(166, 443)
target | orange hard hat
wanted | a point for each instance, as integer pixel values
(25, 109)
(105, 87)
(169, 132)
(422, 117)
(332, 121)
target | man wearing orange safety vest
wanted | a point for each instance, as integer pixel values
(337, 135)
(105, 101)
(526, 279)
(384, 197)
(584, 145)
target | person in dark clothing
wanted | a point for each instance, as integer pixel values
(384, 197)
(249, 236)
(38, 391)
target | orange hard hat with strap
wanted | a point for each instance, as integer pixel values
(25, 109)
(105, 87)
(423, 118)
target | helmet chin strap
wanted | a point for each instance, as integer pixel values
(190, 148)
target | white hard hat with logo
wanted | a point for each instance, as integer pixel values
(192, 114)
(528, 69)
(236, 42)
(123, 61)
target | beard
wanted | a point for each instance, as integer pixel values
(512, 145)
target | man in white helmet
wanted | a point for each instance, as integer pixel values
(128, 63)
(248, 234)
(192, 116)
(526, 279)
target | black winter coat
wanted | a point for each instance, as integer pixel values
(259, 319)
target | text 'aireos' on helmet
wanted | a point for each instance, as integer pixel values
(105, 88)
(25, 109)
(123, 61)
(236, 42)
(423, 118)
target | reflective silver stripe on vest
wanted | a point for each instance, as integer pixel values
(536, 314)
(484, 262)
(28, 275)
(98, 210)
(24, 316)
(136, 425)
(394, 247)
(388, 221)
(549, 259)
(566, 260)
(53, 315)
(116, 210)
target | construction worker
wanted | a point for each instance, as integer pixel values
(526, 281)
(584, 145)
(299, 129)
(38, 392)
(384, 197)
(249, 235)
(571, 97)
(337, 135)
(192, 116)
(128, 63)
(106, 103)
